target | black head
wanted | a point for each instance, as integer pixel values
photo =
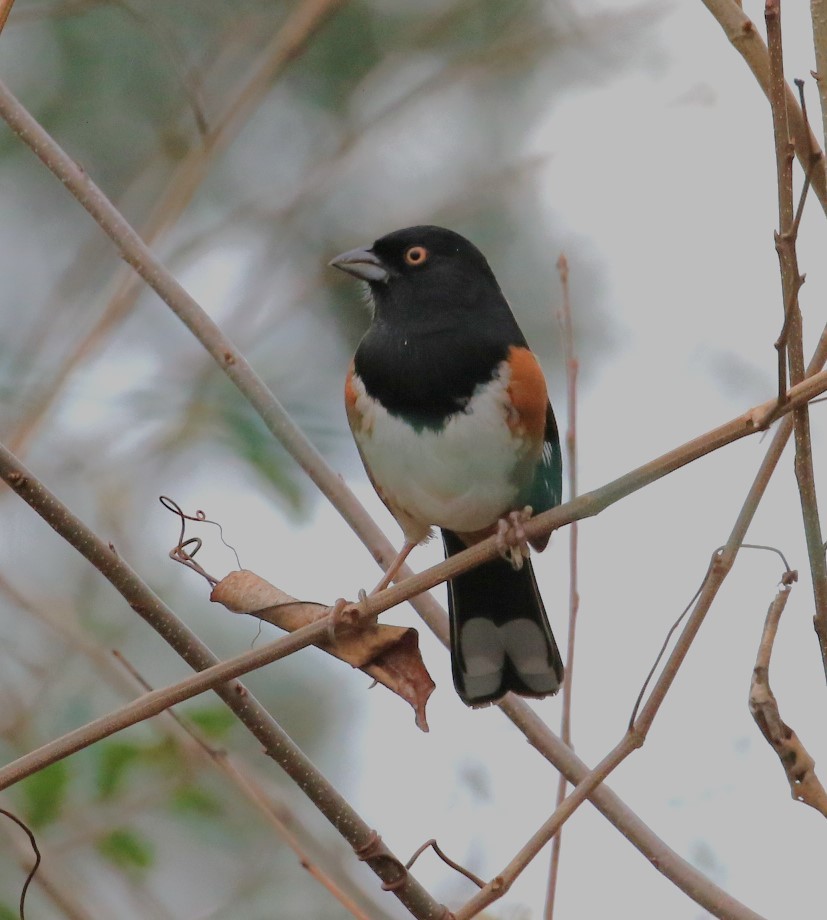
(441, 325)
(427, 274)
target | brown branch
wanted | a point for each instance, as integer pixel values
(5, 9)
(741, 31)
(572, 367)
(798, 765)
(791, 282)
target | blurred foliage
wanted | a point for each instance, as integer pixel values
(212, 721)
(44, 794)
(391, 114)
(127, 850)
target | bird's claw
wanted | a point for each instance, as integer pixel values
(512, 542)
(341, 614)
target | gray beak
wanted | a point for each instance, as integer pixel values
(362, 264)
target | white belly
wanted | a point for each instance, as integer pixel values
(461, 477)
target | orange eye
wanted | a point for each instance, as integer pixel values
(416, 255)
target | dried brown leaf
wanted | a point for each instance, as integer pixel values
(388, 654)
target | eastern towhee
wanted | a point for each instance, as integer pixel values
(449, 410)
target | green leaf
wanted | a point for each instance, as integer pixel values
(197, 801)
(114, 761)
(44, 793)
(6, 913)
(127, 849)
(213, 721)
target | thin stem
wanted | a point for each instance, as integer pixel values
(572, 367)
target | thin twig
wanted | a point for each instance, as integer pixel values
(791, 281)
(70, 899)
(33, 871)
(741, 31)
(446, 859)
(572, 367)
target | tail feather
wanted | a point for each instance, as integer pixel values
(500, 635)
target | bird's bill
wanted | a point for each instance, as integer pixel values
(361, 263)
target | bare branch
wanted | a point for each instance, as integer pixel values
(5, 9)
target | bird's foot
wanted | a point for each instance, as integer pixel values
(512, 542)
(341, 614)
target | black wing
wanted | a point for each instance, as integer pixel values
(546, 489)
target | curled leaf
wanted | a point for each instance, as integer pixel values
(389, 654)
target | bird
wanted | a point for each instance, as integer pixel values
(449, 410)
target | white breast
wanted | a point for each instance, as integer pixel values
(461, 477)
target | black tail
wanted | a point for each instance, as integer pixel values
(500, 636)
